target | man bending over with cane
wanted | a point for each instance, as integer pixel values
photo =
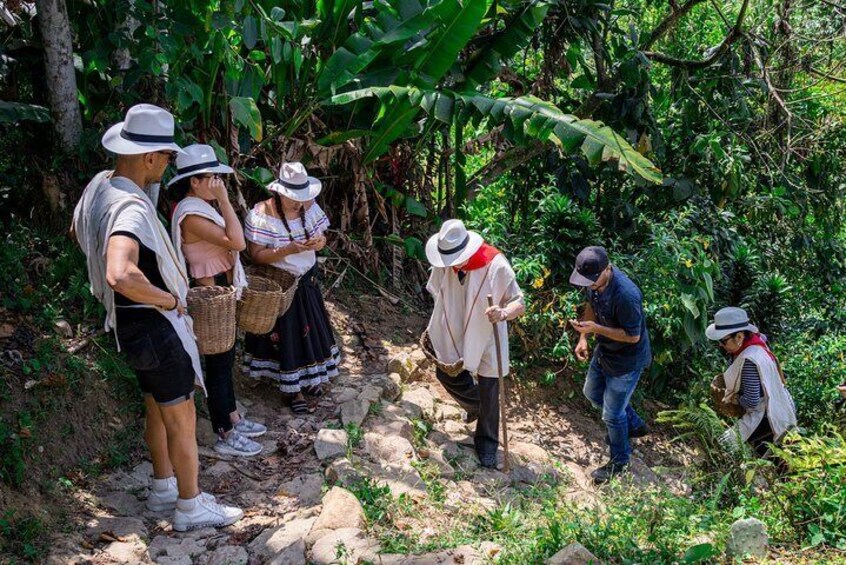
(465, 271)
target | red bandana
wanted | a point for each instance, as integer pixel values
(753, 340)
(480, 258)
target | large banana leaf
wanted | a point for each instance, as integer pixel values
(381, 37)
(527, 116)
(455, 24)
(484, 63)
(458, 22)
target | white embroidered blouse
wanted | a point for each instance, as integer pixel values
(271, 232)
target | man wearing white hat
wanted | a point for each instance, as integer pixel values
(465, 271)
(134, 271)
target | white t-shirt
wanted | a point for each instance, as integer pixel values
(271, 232)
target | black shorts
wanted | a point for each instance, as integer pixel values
(153, 349)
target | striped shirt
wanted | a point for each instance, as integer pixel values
(271, 232)
(750, 385)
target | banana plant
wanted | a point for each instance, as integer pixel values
(524, 118)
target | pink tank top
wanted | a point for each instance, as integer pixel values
(207, 259)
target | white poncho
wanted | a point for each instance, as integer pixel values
(459, 328)
(110, 204)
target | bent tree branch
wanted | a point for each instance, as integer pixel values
(668, 23)
(734, 34)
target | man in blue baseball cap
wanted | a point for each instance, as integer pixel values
(614, 315)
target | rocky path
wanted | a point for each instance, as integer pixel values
(392, 435)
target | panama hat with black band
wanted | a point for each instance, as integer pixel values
(453, 245)
(294, 183)
(728, 321)
(198, 160)
(145, 129)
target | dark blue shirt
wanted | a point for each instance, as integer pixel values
(620, 305)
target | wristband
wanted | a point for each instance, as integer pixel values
(175, 303)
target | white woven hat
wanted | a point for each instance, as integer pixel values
(294, 183)
(453, 245)
(198, 159)
(728, 321)
(146, 129)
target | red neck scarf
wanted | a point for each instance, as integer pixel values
(480, 258)
(755, 340)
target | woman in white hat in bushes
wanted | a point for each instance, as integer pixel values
(207, 236)
(754, 381)
(286, 232)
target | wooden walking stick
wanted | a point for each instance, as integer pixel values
(502, 416)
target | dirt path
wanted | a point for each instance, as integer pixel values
(405, 440)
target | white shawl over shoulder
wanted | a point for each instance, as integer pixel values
(110, 204)
(199, 207)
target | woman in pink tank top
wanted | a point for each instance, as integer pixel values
(210, 239)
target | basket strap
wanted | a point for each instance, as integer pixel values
(469, 313)
(449, 330)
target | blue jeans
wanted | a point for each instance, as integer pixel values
(612, 395)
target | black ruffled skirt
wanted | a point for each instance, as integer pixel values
(300, 352)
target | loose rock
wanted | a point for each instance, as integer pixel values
(748, 537)
(574, 554)
(330, 444)
(305, 488)
(350, 542)
(354, 411)
(388, 449)
(287, 541)
(228, 555)
(341, 509)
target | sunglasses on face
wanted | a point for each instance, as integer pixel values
(171, 156)
(725, 340)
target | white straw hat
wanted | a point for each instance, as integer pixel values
(728, 321)
(294, 183)
(146, 129)
(198, 159)
(452, 245)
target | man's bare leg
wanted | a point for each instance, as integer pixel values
(180, 421)
(155, 435)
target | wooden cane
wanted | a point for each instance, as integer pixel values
(502, 416)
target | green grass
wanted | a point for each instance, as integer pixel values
(22, 537)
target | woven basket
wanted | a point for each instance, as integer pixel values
(718, 391)
(286, 281)
(212, 309)
(451, 369)
(257, 310)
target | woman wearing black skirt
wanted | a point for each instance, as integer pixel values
(285, 232)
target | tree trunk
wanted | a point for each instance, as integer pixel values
(60, 74)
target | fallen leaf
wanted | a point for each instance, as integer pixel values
(109, 537)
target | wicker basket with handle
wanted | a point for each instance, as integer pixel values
(286, 281)
(259, 305)
(451, 369)
(212, 309)
(718, 391)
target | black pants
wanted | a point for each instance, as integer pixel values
(221, 391)
(481, 399)
(762, 435)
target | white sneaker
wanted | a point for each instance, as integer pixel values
(248, 428)
(202, 512)
(237, 445)
(163, 495)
